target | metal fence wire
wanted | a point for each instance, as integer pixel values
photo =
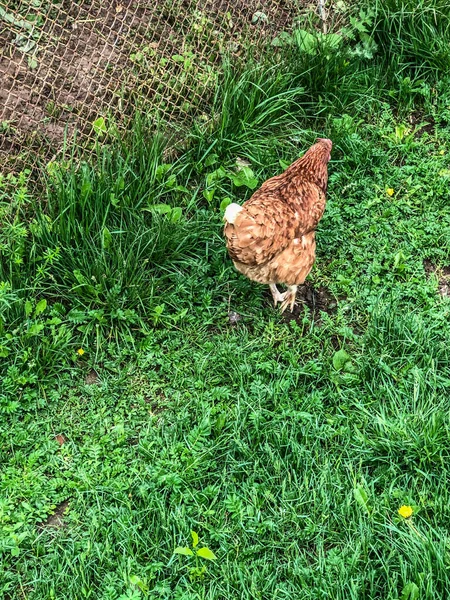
(69, 66)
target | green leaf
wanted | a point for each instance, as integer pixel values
(225, 202)
(79, 276)
(283, 164)
(260, 17)
(183, 551)
(194, 539)
(410, 592)
(244, 177)
(86, 188)
(340, 360)
(333, 40)
(176, 214)
(77, 316)
(399, 261)
(206, 553)
(171, 181)
(138, 582)
(113, 199)
(307, 42)
(211, 160)
(106, 238)
(215, 176)
(283, 39)
(161, 209)
(99, 126)
(28, 308)
(162, 170)
(40, 307)
(53, 321)
(361, 497)
(179, 316)
(209, 194)
(35, 329)
(181, 188)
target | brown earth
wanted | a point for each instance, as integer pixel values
(56, 520)
(443, 275)
(317, 300)
(63, 66)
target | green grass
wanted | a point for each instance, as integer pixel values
(287, 445)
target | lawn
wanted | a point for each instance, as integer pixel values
(150, 391)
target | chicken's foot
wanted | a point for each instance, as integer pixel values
(289, 298)
(286, 298)
(276, 294)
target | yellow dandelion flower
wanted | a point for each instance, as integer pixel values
(390, 191)
(80, 351)
(405, 511)
(441, 152)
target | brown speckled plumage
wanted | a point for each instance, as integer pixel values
(272, 238)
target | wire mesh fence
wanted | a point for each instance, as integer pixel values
(69, 66)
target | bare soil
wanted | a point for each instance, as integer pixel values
(443, 275)
(317, 300)
(92, 378)
(56, 520)
(64, 65)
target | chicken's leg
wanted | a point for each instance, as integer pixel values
(276, 295)
(286, 299)
(289, 298)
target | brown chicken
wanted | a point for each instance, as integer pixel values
(271, 237)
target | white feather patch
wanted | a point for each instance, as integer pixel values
(231, 212)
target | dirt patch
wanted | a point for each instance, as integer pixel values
(56, 520)
(63, 65)
(444, 287)
(154, 406)
(429, 267)
(92, 378)
(422, 124)
(317, 300)
(61, 439)
(442, 274)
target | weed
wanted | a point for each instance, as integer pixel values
(197, 572)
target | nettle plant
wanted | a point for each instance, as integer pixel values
(241, 175)
(198, 571)
(355, 40)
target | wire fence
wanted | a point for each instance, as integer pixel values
(69, 66)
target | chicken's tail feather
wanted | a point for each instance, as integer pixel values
(231, 212)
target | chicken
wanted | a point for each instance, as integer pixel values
(271, 237)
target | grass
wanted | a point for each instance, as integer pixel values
(287, 445)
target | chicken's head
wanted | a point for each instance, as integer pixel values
(325, 145)
(314, 163)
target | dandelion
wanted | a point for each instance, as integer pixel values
(390, 191)
(80, 351)
(441, 152)
(405, 511)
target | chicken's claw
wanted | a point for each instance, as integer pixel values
(289, 298)
(277, 297)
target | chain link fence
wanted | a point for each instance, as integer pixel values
(69, 66)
